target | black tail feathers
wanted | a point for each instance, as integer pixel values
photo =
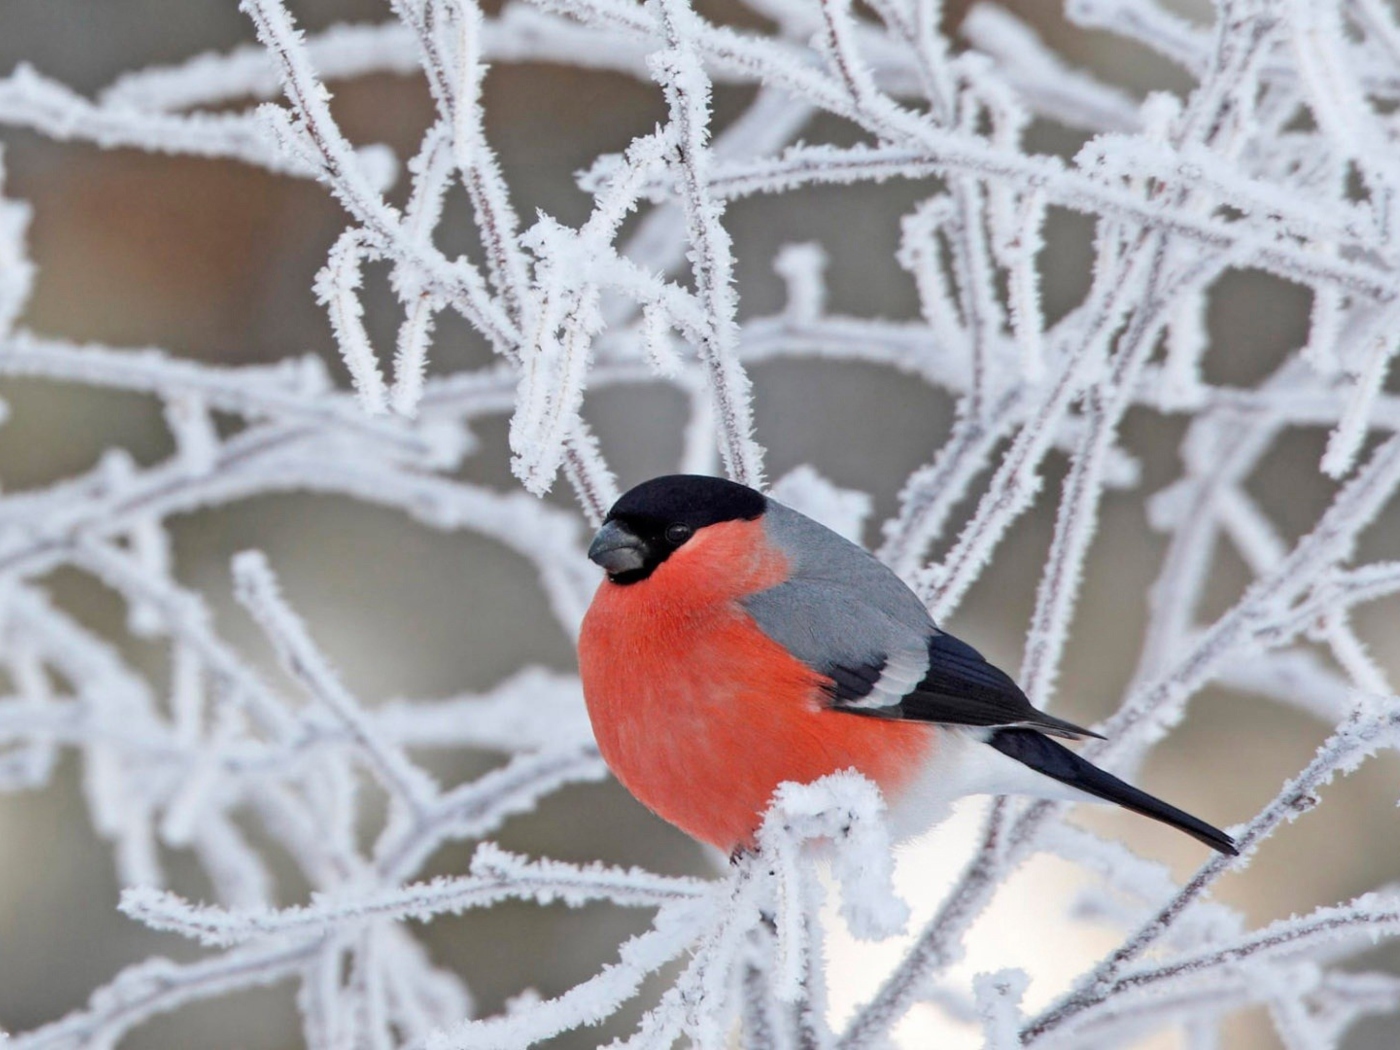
(1058, 762)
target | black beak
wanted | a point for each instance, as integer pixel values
(617, 549)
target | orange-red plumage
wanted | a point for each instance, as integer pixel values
(700, 714)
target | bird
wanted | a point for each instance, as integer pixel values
(735, 644)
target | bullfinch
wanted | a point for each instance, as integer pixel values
(736, 644)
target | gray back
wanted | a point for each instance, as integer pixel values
(841, 602)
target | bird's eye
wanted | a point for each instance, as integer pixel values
(678, 533)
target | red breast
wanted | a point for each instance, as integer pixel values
(699, 713)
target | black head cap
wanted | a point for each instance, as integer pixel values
(658, 516)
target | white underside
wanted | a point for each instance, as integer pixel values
(961, 763)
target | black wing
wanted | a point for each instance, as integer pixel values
(959, 688)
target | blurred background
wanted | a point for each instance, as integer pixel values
(214, 262)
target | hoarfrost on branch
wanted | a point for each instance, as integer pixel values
(1284, 157)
